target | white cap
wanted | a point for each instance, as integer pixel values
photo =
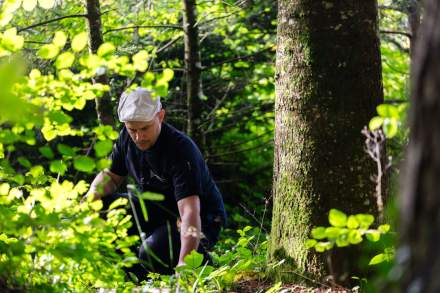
(138, 105)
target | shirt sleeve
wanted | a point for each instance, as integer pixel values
(186, 175)
(118, 158)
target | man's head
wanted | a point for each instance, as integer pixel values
(142, 115)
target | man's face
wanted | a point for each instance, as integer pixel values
(144, 134)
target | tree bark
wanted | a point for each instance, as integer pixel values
(104, 107)
(192, 70)
(328, 84)
(420, 207)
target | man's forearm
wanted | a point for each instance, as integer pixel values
(189, 234)
(102, 185)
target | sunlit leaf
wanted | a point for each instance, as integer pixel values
(375, 123)
(384, 228)
(352, 223)
(65, 60)
(48, 51)
(310, 243)
(372, 235)
(318, 233)
(365, 220)
(105, 49)
(152, 196)
(140, 60)
(29, 5)
(354, 237)
(46, 4)
(377, 259)
(337, 218)
(390, 127)
(11, 41)
(79, 41)
(59, 39)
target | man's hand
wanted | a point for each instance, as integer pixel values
(190, 227)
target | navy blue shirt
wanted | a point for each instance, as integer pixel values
(174, 167)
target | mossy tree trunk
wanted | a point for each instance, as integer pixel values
(104, 107)
(328, 84)
(420, 208)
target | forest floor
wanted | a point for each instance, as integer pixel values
(254, 286)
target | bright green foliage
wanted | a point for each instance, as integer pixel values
(234, 260)
(348, 230)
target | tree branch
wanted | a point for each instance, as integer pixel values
(177, 27)
(50, 21)
(406, 34)
(238, 58)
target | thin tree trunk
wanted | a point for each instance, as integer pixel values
(104, 107)
(420, 209)
(414, 22)
(192, 69)
(328, 84)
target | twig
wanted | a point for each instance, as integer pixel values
(177, 27)
(406, 34)
(50, 21)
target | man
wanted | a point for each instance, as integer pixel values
(163, 160)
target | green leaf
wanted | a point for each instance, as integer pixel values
(24, 162)
(152, 196)
(390, 127)
(29, 5)
(103, 147)
(365, 220)
(318, 233)
(59, 39)
(148, 79)
(58, 167)
(105, 49)
(143, 209)
(140, 60)
(46, 4)
(332, 232)
(84, 164)
(167, 75)
(46, 152)
(323, 246)
(11, 41)
(4, 188)
(377, 259)
(117, 203)
(49, 51)
(310, 243)
(388, 111)
(66, 150)
(384, 228)
(79, 41)
(354, 237)
(375, 123)
(59, 117)
(161, 89)
(352, 223)
(372, 235)
(337, 218)
(342, 241)
(65, 60)
(103, 163)
(193, 259)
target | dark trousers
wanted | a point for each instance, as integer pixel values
(160, 250)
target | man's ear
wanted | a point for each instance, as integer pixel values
(161, 115)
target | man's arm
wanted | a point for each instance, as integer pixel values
(105, 183)
(190, 228)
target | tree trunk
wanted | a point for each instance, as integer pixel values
(414, 22)
(104, 107)
(328, 84)
(420, 209)
(192, 70)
